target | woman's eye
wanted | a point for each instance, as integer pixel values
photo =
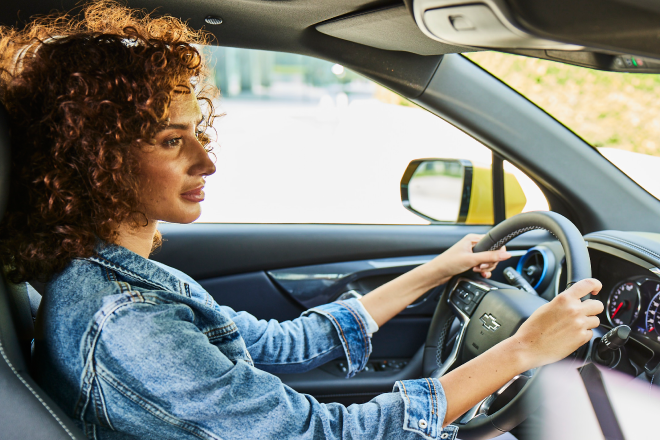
(172, 143)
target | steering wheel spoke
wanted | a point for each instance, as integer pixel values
(498, 399)
(464, 296)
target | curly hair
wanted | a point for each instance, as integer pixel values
(82, 93)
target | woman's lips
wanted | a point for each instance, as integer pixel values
(196, 195)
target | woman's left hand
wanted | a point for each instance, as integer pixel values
(386, 301)
(459, 258)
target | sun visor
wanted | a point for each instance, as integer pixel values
(484, 24)
(390, 28)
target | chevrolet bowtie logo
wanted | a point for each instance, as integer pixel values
(489, 322)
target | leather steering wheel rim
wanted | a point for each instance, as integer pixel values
(578, 266)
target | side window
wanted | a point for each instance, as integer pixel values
(307, 141)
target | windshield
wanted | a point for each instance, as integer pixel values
(618, 113)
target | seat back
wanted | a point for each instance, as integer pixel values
(26, 412)
(21, 312)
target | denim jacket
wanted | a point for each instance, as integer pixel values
(130, 348)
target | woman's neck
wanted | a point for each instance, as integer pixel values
(138, 240)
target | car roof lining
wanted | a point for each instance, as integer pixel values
(279, 25)
(388, 28)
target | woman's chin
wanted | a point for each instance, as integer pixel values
(184, 217)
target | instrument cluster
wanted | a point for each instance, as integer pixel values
(635, 302)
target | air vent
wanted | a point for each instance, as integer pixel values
(537, 266)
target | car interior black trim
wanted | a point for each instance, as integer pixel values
(320, 382)
(497, 175)
(245, 248)
(640, 244)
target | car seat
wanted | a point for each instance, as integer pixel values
(26, 412)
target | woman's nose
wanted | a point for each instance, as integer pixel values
(203, 163)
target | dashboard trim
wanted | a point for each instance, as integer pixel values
(623, 255)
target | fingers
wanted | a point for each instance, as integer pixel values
(473, 238)
(583, 288)
(592, 322)
(485, 267)
(491, 257)
(592, 307)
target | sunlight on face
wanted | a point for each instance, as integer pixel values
(173, 166)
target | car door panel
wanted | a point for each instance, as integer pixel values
(253, 292)
(279, 271)
(212, 250)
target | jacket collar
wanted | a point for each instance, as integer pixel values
(133, 266)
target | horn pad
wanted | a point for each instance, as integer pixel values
(498, 317)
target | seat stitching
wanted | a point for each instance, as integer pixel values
(45, 405)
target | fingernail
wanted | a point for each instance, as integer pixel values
(505, 255)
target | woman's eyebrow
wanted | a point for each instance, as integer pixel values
(169, 126)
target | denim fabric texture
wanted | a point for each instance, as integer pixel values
(130, 348)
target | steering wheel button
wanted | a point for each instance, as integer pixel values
(472, 288)
(460, 303)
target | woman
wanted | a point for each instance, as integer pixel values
(108, 138)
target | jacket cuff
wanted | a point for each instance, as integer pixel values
(425, 408)
(352, 328)
(372, 326)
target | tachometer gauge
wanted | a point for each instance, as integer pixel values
(653, 315)
(623, 304)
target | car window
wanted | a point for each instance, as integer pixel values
(308, 141)
(618, 113)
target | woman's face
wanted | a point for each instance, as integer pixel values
(174, 165)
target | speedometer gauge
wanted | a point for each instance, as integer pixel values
(623, 304)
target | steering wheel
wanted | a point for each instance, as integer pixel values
(489, 312)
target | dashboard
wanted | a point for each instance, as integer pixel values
(631, 295)
(627, 264)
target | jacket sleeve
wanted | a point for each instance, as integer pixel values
(318, 336)
(155, 373)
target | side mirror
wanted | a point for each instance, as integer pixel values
(456, 191)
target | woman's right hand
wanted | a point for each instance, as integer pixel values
(561, 326)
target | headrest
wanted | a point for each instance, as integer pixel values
(4, 159)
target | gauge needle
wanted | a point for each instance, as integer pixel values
(617, 309)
